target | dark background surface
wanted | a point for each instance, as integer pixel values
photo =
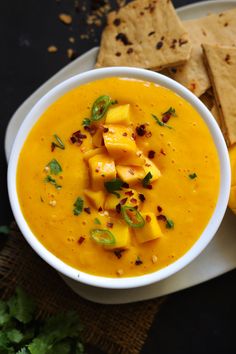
(195, 321)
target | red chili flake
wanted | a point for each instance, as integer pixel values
(159, 45)
(149, 186)
(129, 193)
(77, 137)
(227, 58)
(123, 38)
(106, 130)
(133, 200)
(166, 117)
(151, 154)
(116, 21)
(110, 225)
(192, 86)
(91, 129)
(118, 54)
(151, 33)
(124, 134)
(129, 51)
(138, 261)
(141, 130)
(173, 70)
(53, 145)
(182, 42)
(162, 152)
(81, 240)
(125, 185)
(173, 44)
(100, 209)
(123, 201)
(161, 217)
(159, 209)
(118, 253)
(148, 218)
(87, 210)
(141, 197)
(118, 208)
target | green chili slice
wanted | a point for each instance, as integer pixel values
(100, 107)
(59, 142)
(102, 236)
(132, 216)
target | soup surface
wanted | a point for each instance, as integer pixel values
(126, 191)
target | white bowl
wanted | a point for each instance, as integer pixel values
(204, 238)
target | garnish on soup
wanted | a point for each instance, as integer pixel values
(127, 204)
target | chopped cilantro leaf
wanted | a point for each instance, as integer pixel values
(171, 111)
(159, 122)
(86, 122)
(51, 180)
(97, 221)
(55, 167)
(113, 186)
(169, 224)
(146, 180)
(192, 175)
(78, 206)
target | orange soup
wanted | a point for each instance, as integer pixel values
(119, 177)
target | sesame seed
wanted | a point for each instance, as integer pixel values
(154, 258)
(53, 203)
(119, 272)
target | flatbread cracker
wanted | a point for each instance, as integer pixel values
(144, 33)
(221, 67)
(215, 113)
(213, 29)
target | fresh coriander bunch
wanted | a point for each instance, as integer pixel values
(21, 333)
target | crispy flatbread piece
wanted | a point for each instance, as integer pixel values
(213, 29)
(144, 33)
(221, 67)
(215, 113)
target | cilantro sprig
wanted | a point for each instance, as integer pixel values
(113, 186)
(159, 122)
(147, 180)
(55, 167)
(78, 206)
(21, 333)
(49, 179)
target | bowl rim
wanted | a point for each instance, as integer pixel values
(213, 223)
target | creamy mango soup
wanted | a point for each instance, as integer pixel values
(118, 177)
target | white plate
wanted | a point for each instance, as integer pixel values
(220, 255)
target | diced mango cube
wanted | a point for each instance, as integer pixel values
(119, 115)
(130, 174)
(96, 199)
(151, 167)
(97, 138)
(90, 153)
(151, 229)
(134, 159)
(130, 194)
(119, 141)
(121, 233)
(102, 168)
